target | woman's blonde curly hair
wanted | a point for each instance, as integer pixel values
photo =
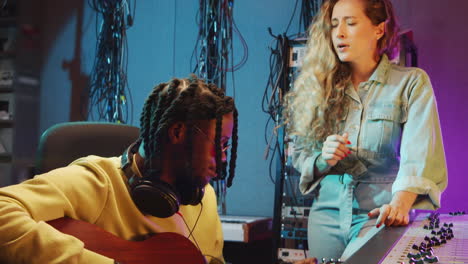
(316, 103)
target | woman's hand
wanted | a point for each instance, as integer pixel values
(334, 149)
(397, 212)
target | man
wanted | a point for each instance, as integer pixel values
(185, 127)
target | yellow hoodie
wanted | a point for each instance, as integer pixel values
(92, 189)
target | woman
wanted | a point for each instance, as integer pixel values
(367, 138)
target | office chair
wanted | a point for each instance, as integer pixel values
(63, 143)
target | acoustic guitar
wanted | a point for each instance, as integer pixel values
(159, 248)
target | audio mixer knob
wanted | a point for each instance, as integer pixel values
(416, 261)
(431, 259)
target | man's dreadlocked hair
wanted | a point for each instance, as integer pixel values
(185, 100)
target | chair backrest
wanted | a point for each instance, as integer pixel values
(65, 142)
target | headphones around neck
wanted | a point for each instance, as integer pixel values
(156, 197)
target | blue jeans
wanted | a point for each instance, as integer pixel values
(338, 217)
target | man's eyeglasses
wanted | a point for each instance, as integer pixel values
(225, 147)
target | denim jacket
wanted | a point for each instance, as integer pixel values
(395, 136)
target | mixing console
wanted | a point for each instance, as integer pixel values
(436, 238)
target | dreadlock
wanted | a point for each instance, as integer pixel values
(185, 100)
(232, 161)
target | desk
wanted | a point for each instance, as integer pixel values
(246, 228)
(247, 239)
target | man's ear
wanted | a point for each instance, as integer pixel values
(176, 132)
(380, 30)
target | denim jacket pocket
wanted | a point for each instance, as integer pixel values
(397, 114)
(383, 128)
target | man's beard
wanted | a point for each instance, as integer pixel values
(190, 186)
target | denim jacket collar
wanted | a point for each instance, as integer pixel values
(380, 73)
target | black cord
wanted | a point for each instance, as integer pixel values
(309, 9)
(279, 79)
(108, 89)
(212, 56)
(292, 16)
(272, 101)
(194, 225)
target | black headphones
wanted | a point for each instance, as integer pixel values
(153, 196)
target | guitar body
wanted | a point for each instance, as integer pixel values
(160, 248)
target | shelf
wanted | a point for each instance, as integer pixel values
(28, 80)
(5, 157)
(19, 87)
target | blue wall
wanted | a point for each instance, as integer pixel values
(69, 40)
